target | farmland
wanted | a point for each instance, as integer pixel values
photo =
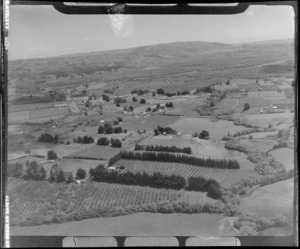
(179, 169)
(139, 224)
(49, 200)
(196, 96)
(277, 198)
(96, 152)
(216, 129)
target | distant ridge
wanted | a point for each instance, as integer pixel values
(164, 45)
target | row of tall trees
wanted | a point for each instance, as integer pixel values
(157, 179)
(178, 93)
(178, 158)
(139, 92)
(160, 148)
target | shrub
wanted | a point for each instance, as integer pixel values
(204, 134)
(81, 173)
(142, 101)
(120, 119)
(51, 155)
(246, 107)
(195, 134)
(134, 99)
(103, 141)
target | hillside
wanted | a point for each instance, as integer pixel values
(170, 58)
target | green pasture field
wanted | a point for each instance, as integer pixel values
(216, 130)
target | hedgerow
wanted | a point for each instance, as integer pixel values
(172, 149)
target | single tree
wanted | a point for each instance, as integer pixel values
(81, 173)
(51, 155)
(246, 107)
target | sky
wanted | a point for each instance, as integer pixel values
(41, 31)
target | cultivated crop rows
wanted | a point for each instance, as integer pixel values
(36, 199)
(180, 169)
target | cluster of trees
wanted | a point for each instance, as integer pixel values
(58, 175)
(234, 144)
(262, 181)
(281, 144)
(156, 179)
(83, 140)
(108, 129)
(142, 101)
(31, 171)
(139, 92)
(269, 166)
(206, 89)
(116, 143)
(47, 138)
(129, 109)
(250, 225)
(204, 134)
(164, 130)
(179, 158)
(212, 187)
(119, 100)
(172, 149)
(105, 97)
(169, 104)
(242, 123)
